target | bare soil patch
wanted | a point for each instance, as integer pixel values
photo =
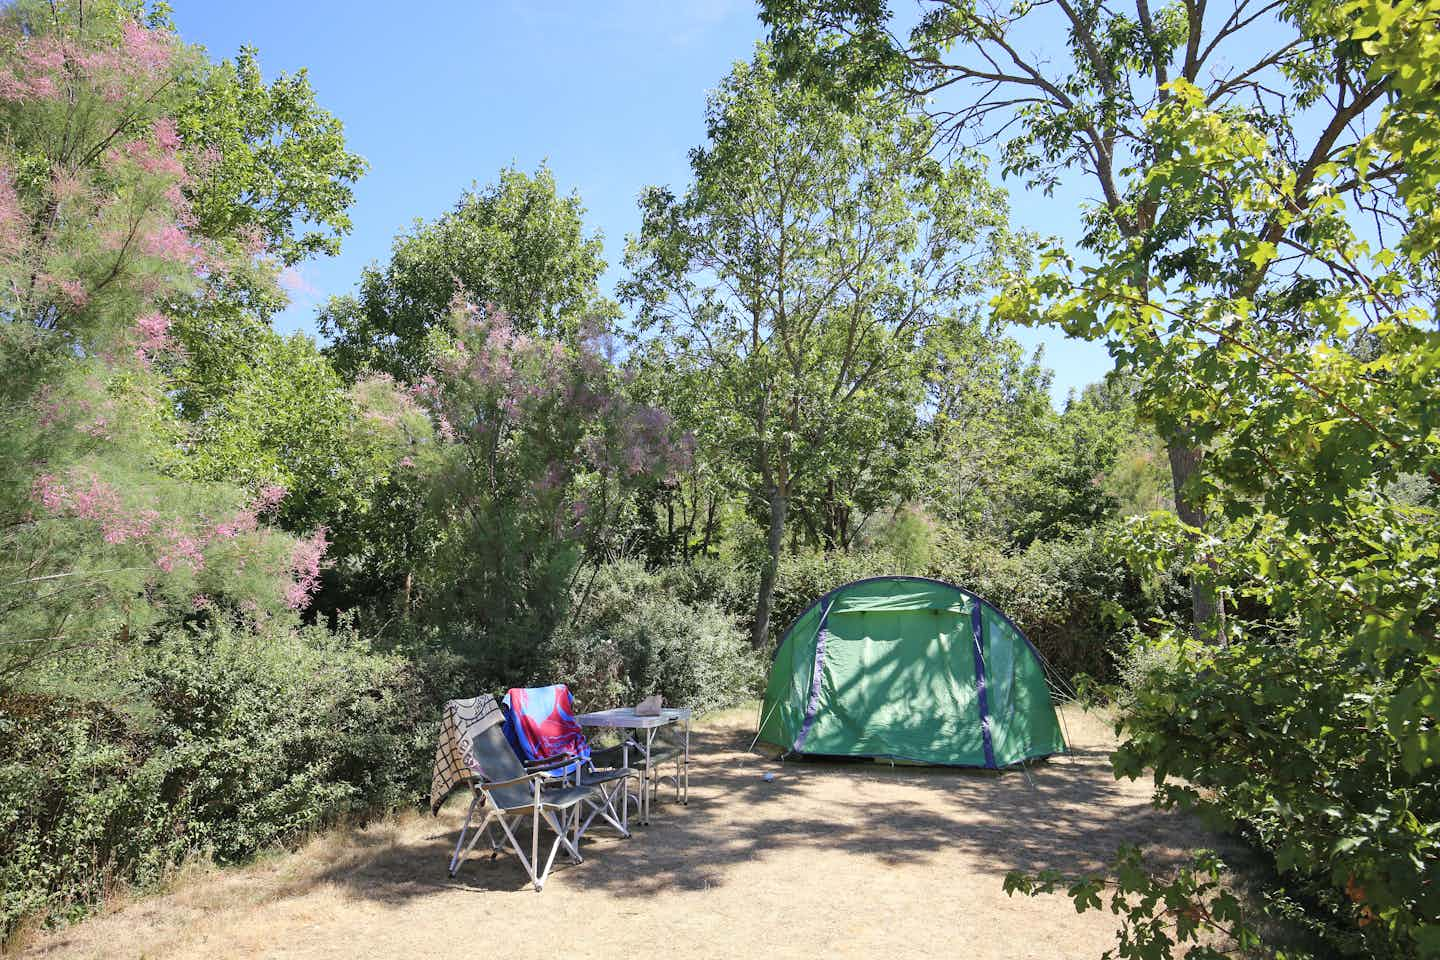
(835, 860)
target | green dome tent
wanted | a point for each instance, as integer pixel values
(909, 668)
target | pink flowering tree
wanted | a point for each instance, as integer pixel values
(101, 535)
(537, 455)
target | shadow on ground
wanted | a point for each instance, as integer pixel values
(1067, 814)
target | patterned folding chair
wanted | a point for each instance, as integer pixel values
(540, 724)
(473, 750)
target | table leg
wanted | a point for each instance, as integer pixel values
(649, 772)
(686, 801)
(625, 788)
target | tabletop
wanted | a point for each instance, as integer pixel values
(627, 718)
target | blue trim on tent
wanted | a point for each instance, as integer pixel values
(816, 679)
(977, 633)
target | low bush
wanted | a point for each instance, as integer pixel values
(220, 744)
(1282, 741)
(629, 637)
(1076, 599)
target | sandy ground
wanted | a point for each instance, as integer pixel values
(827, 860)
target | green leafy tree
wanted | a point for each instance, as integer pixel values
(1082, 108)
(807, 272)
(99, 540)
(278, 413)
(1068, 485)
(517, 244)
(1264, 322)
(537, 455)
(1263, 262)
(276, 171)
(989, 427)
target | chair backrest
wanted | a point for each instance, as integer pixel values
(540, 723)
(492, 752)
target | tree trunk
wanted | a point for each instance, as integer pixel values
(779, 504)
(1207, 607)
(709, 525)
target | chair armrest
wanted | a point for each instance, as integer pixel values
(497, 784)
(558, 760)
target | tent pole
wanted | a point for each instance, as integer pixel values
(762, 723)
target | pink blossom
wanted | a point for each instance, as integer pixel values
(153, 160)
(47, 491)
(167, 137)
(407, 462)
(12, 88)
(305, 564)
(269, 496)
(90, 498)
(147, 48)
(154, 330)
(245, 521)
(187, 549)
(169, 243)
(41, 53)
(43, 88)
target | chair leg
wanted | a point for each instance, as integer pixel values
(535, 841)
(561, 826)
(564, 827)
(605, 807)
(520, 851)
(456, 857)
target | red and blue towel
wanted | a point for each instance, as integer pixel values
(540, 723)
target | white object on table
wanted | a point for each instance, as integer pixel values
(625, 718)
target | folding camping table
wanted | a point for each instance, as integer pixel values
(625, 718)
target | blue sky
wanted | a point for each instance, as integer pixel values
(437, 96)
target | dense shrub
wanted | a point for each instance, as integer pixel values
(1075, 599)
(1281, 740)
(629, 637)
(220, 744)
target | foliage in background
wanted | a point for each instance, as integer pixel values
(517, 244)
(99, 538)
(537, 453)
(631, 636)
(808, 277)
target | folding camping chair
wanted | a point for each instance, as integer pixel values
(508, 791)
(540, 724)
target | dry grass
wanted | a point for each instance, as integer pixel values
(839, 860)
